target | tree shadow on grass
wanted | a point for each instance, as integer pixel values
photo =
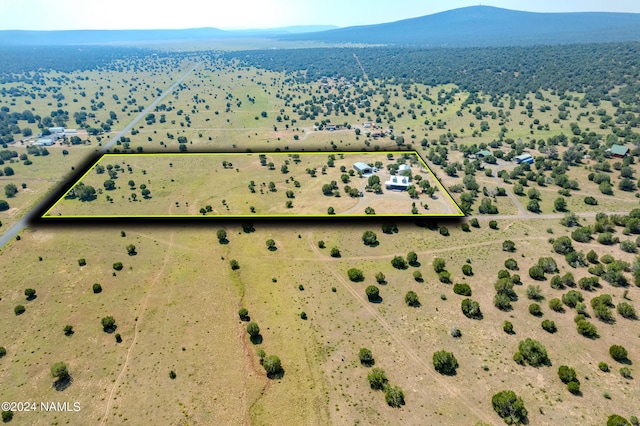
(30, 298)
(375, 300)
(415, 264)
(111, 329)
(62, 384)
(277, 375)
(256, 340)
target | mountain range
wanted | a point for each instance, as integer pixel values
(475, 26)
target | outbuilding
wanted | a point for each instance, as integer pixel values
(363, 168)
(483, 154)
(524, 158)
(56, 130)
(619, 151)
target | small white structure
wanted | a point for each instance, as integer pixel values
(70, 131)
(404, 168)
(363, 168)
(398, 182)
(55, 130)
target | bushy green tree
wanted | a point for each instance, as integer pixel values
(366, 357)
(373, 293)
(445, 362)
(509, 407)
(471, 309)
(272, 366)
(394, 396)
(377, 379)
(355, 275)
(618, 352)
(533, 352)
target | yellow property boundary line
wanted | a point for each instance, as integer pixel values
(442, 188)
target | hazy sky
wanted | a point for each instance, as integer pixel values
(143, 14)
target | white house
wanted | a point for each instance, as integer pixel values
(397, 182)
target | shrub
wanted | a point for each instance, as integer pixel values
(7, 416)
(222, 236)
(566, 374)
(335, 252)
(108, 324)
(587, 329)
(626, 310)
(534, 309)
(534, 292)
(97, 288)
(321, 244)
(253, 329)
(619, 353)
(507, 327)
(118, 266)
(445, 362)
(243, 313)
(411, 299)
(533, 352)
(444, 231)
(603, 366)
(272, 366)
(417, 275)
(536, 272)
(60, 371)
(493, 224)
(369, 238)
(625, 372)
(556, 305)
(549, 326)
(616, 420)
(355, 275)
(455, 332)
(502, 302)
(438, 265)
(509, 407)
(412, 258)
(511, 264)
(573, 387)
(444, 277)
(398, 262)
(467, 270)
(366, 357)
(82, 262)
(462, 289)
(234, 264)
(172, 375)
(377, 379)
(3, 351)
(19, 310)
(590, 201)
(471, 309)
(68, 330)
(394, 396)
(380, 278)
(571, 298)
(373, 293)
(509, 246)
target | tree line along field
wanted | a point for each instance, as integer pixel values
(272, 184)
(564, 228)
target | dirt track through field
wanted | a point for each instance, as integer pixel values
(138, 321)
